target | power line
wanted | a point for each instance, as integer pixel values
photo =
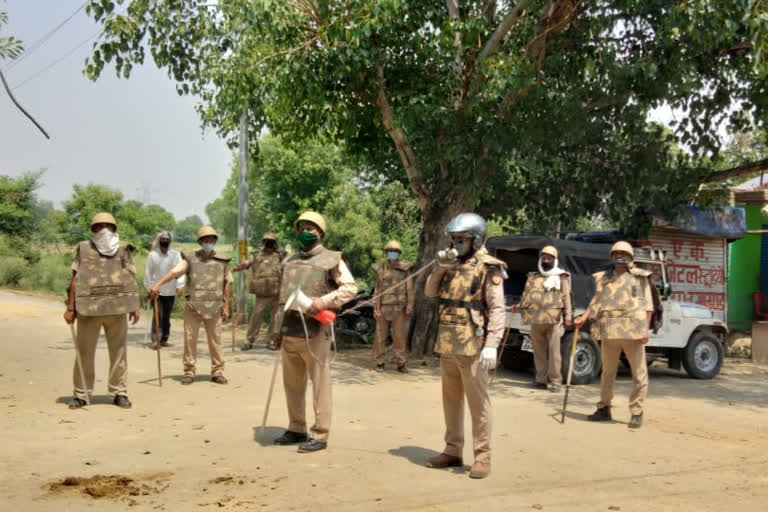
(37, 44)
(55, 62)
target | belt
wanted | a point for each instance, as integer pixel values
(473, 304)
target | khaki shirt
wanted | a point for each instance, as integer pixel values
(647, 300)
(346, 291)
(410, 298)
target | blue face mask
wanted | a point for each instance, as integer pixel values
(393, 255)
(462, 246)
(208, 247)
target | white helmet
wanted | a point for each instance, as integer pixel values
(471, 224)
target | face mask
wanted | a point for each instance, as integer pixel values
(208, 247)
(547, 266)
(106, 242)
(307, 239)
(164, 245)
(462, 247)
(393, 255)
(269, 245)
(619, 261)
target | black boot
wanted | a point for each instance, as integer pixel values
(601, 414)
(402, 369)
(380, 367)
(76, 403)
(290, 437)
(636, 421)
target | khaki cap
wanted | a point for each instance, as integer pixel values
(549, 249)
(623, 247)
(269, 236)
(103, 218)
(206, 231)
(313, 217)
(393, 245)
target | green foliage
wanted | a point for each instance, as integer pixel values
(136, 223)
(10, 47)
(17, 204)
(186, 229)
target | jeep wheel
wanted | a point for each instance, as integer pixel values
(703, 356)
(586, 361)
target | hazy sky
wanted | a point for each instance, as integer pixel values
(137, 135)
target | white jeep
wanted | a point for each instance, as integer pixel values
(688, 334)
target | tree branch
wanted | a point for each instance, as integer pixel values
(503, 29)
(453, 13)
(734, 172)
(402, 143)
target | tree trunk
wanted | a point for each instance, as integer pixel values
(431, 240)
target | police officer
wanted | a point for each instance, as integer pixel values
(546, 307)
(622, 308)
(324, 277)
(392, 306)
(209, 282)
(264, 284)
(102, 291)
(471, 322)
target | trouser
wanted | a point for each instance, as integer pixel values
(192, 321)
(298, 364)
(610, 351)
(259, 307)
(116, 332)
(399, 323)
(546, 352)
(463, 375)
(164, 309)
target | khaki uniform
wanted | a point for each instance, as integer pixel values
(105, 291)
(619, 312)
(319, 273)
(392, 305)
(545, 311)
(264, 284)
(206, 278)
(471, 316)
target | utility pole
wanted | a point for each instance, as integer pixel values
(242, 219)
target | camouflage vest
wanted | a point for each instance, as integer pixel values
(311, 273)
(462, 309)
(265, 274)
(539, 305)
(104, 285)
(205, 283)
(388, 276)
(620, 305)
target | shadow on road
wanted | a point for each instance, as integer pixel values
(267, 436)
(418, 455)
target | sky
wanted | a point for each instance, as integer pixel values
(136, 135)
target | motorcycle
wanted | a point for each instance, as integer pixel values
(358, 323)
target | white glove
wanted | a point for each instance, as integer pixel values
(488, 358)
(447, 256)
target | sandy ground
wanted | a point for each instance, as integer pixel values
(704, 445)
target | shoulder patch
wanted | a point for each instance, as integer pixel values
(639, 272)
(496, 279)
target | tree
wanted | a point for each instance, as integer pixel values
(186, 229)
(10, 47)
(532, 106)
(18, 202)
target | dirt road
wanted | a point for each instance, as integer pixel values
(704, 445)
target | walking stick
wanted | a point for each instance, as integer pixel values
(232, 319)
(157, 347)
(269, 394)
(570, 372)
(80, 365)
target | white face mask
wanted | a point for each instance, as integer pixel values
(106, 242)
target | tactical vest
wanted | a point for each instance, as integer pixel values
(388, 276)
(103, 284)
(462, 308)
(312, 273)
(205, 283)
(539, 305)
(620, 306)
(265, 274)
